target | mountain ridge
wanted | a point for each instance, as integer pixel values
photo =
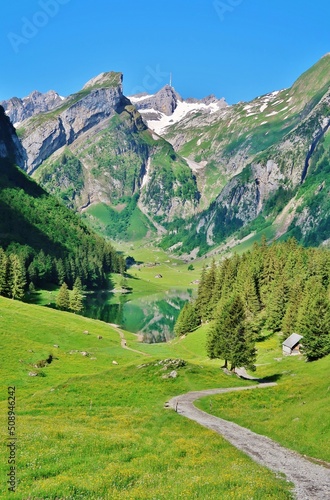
(201, 169)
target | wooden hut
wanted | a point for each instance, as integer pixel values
(291, 345)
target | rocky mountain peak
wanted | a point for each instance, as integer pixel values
(167, 107)
(210, 99)
(101, 98)
(105, 80)
(19, 110)
(164, 101)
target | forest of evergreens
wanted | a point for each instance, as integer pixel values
(282, 287)
(43, 242)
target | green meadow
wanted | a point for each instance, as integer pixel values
(294, 413)
(89, 428)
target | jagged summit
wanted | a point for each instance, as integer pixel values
(167, 107)
(37, 102)
(104, 80)
(164, 101)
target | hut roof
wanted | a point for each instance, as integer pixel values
(293, 340)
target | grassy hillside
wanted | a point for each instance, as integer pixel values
(52, 242)
(294, 413)
(88, 428)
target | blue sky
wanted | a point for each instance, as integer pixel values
(237, 49)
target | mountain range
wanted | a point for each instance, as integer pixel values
(192, 173)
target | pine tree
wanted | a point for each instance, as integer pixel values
(15, 278)
(276, 304)
(217, 340)
(290, 318)
(314, 322)
(187, 321)
(248, 293)
(63, 298)
(229, 338)
(3, 271)
(77, 297)
(60, 271)
(202, 296)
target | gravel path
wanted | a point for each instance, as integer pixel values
(311, 481)
(123, 342)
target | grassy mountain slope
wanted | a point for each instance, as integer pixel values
(274, 170)
(52, 241)
(91, 429)
(116, 159)
(234, 136)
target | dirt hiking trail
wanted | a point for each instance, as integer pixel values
(311, 481)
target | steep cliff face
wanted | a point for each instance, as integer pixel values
(200, 170)
(95, 148)
(271, 156)
(44, 134)
(165, 101)
(10, 146)
(19, 110)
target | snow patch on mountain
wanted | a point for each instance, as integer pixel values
(182, 110)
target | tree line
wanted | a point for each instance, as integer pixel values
(282, 287)
(42, 242)
(27, 269)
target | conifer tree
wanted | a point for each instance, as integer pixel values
(3, 271)
(314, 322)
(63, 298)
(202, 297)
(290, 318)
(229, 338)
(187, 320)
(77, 297)
(248, 293)
(60, 271)
(15, 278)
(276, 303)
(217, 340)
(210, 282)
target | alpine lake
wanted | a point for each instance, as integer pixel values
(147, 300)
(151, 317)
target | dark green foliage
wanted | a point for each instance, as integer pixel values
(63, 178)
(63, 298)
(230, 338)
(51, 242)
(314, 321)
(187, 320)
(77, 297)
(276, 304)
(283, 287)
(278, 201)
(15, 278)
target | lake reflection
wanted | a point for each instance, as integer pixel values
(153, 317)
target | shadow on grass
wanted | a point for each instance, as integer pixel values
(271, 378)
